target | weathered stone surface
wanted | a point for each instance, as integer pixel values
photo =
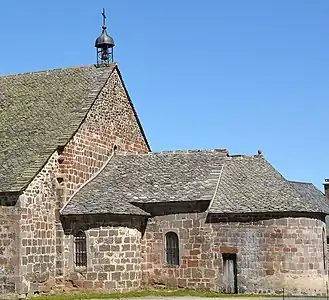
(34, 220)
(37, 230)
(9, 247)
(270, 256)
(125, 250)
(110, 123)
(110, 263)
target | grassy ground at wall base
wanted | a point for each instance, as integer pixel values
(145, 293)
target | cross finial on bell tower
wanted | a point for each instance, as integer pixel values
(104, 44)
(104, 17)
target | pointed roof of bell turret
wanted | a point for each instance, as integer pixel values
(104, 40)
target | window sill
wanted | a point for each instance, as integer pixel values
(80, 269)
(171, 266)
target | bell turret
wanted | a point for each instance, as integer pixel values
(104, 45)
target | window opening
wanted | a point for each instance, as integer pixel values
(172, 249)
(80, 249)
(324, 247)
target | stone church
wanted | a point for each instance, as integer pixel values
(86, 205)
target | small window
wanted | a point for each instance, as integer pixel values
(80, 249)
(324, 248)
(172, 249)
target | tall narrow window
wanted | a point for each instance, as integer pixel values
(80, 249)
(324, 248)
(172, 249)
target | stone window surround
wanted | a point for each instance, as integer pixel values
(72, 265)
(78, 234)
(164, 253)
(173, 241)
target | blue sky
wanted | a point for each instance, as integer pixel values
(235, 74)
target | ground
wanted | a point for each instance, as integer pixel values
(214, 298)
(206, 296)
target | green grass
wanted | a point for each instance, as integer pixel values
(143, 293)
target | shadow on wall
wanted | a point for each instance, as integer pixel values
(73, 223)
(9, 199)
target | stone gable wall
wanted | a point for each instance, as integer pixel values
(272, 254)
(113, 253)
(9, 243)
(110, 122)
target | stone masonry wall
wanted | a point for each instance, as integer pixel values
(9, 247)
(276, 253)
(38, 231)
(113, 253)
(272, 253)
(111, 121)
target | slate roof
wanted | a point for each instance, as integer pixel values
(153, 177)
(243, 184)
(311, 192)
(38, 112)
(251, 184)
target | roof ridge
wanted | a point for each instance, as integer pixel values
(241, 156)
(187, 151)
(192, 151)
(302, 182)
(57, 69)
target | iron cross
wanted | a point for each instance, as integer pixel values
(104, 16)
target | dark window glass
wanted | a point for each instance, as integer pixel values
(80, 249)
(172, 249)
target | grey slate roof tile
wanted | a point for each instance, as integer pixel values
(153, 177)
(310, 192)
(38, 112)
(241, 184)
(251, 184)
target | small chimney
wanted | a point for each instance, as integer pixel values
(326, 187)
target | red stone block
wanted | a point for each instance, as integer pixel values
(228, 249)
(193, 263)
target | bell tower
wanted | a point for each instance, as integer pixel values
(104, 45)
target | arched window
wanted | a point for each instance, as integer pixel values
(172, 249)
(80, 247)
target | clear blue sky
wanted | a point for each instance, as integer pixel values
(240, 75)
